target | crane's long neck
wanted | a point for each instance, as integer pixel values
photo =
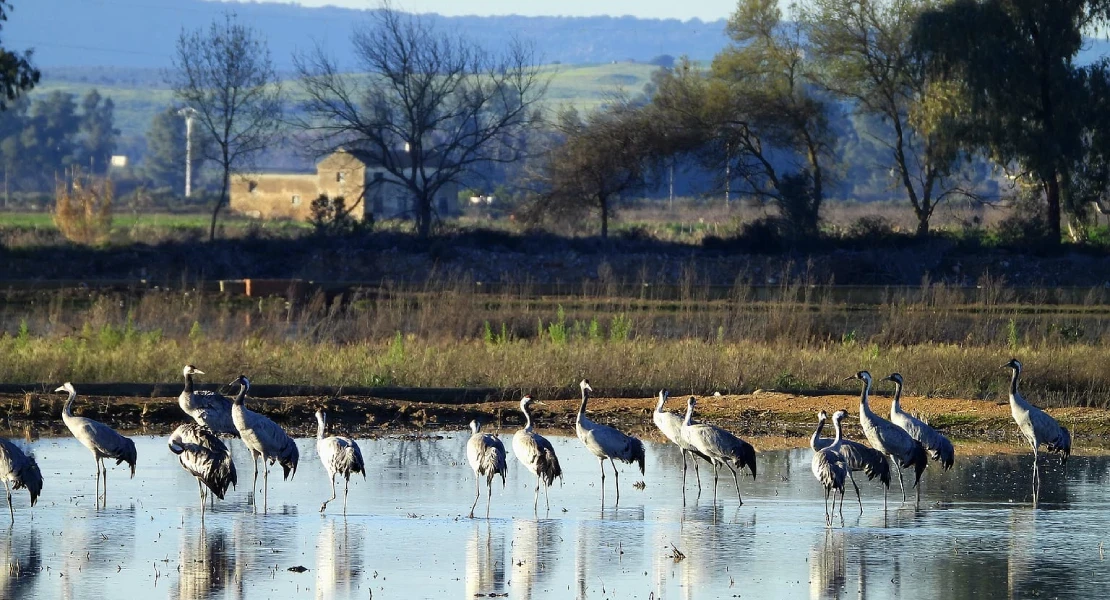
(582, 407)
(837, 427)
(896, 404)
(320, 426)
(659, 405)
(689, 420)
(1015, 397)
(188, 383)
(238, 401)
(864, 407)
(67, 410)
(527, 417)
(817, 434)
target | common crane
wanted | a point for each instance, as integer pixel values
(830, 470)
(938, 446)
(205, 457)
(486, 455)
(264, 439)
(340, 455)
(606, 442)
(536, 453)
(101, 440)
(1036, 426)
(722, 447)
(890, 439)
(671, 426)
(858, 457)
(19, 470)
(207, 408)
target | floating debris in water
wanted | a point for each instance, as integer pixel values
(297, 569)
(639, 485)
(677, 554)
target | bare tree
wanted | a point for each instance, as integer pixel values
(427, 107)
(227, 76)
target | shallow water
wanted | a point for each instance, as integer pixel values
(406, 535)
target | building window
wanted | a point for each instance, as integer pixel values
(296, 200)
(251, 186)
(340, 177)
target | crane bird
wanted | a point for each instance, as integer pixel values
(938, 446)
(606, 442)
(340, 454)
(536, 453)
(101, 440)
(263, 438)
(857, 457)
(207, 408)
(720, 446)
(1036, 426)
(671, 426)
(486, 455)
(830, 470)
(890, 439)
(19, 470)
(205, 457)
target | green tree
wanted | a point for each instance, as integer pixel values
(226, 74)
(17, 74)
(49, 137)
(1019, 95)
(98, 132)
(164, 161)
(864, 55)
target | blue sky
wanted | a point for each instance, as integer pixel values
(707, 10)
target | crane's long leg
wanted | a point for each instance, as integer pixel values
(265, 485)
(547, 496)
(683, 474)
(489, 493)
(331, 480)
(96, 463)
(254, 486)
(841, 505)
(737, 480)
(536, 500)
(346, 484)
(601, 462)
(200, 489)
(894, 461)
(616, 479)
(477, 492)
(714, 481)
(105, 477)
(1036, 476)
(853, 480)
(827, 520)
(697, 473)
(10, 511)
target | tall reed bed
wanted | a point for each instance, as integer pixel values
(453, 332)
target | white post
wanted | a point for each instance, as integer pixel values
(188, 113)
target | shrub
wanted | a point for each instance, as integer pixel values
(83, 208)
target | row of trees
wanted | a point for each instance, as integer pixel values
(937, 84)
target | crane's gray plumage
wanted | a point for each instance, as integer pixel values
(670, 425)
(722, 447)
(101, 440)
(340, 454)
(207, 408)
(1036, 426)
(263, 438)
(536, 453)
(858, 457)
(606, 442)
(205, 457)
(486, 455)
(19, 470)
(890, 439)
(830, 470)
(938, 446)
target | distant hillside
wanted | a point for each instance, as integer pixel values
(142, 34)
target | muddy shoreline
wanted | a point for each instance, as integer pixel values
(778, 419)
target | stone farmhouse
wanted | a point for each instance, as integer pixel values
(362, 182)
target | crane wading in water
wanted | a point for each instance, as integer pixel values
(1036, 427)
(340, 454)
(890, 439)
(829, 468)
(265, 439)
(486, 455)
(938, 446)
(536, 453)
(209, 409)
(101, 440)
(205, 457)
(606, 442)
(19, 470)
(670, 425)
(720, 446)
(858, 457)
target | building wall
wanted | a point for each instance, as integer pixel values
(340, 174)
(274, 195)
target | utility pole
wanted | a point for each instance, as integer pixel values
(188, 112)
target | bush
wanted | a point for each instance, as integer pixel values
(331, 217)
(83, 208)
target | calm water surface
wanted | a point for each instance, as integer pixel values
(405, 535)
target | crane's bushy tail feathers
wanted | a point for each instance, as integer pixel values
(128, 455)
(919, 459)
(877, 465)
(944, 453)
(1062, 445)
(289, 458)
(492, 463)
(31, 478)
(548, 466)
(636, 454)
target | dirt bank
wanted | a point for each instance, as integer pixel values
(778, 420)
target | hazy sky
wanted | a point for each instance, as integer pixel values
(707, 10)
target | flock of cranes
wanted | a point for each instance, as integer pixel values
(904, 441)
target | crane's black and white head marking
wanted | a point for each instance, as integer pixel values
(863, 376)
(585, 385)
(895, 377)
(839, 415)
(243, 381)
(1014, 364)
(65, 387)
(692, 401)
(822, 416)
(527, 400)
(475, 427)
(320, 414)
(191, 370)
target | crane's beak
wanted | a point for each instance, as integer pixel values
(198, 371)
(850, 378)
(886, 379)
(539, 402)
(61, 389)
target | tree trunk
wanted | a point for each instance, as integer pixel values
(922, 224)
(424, 216)
(219, 204)
(1052, 195)
(604, 218)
